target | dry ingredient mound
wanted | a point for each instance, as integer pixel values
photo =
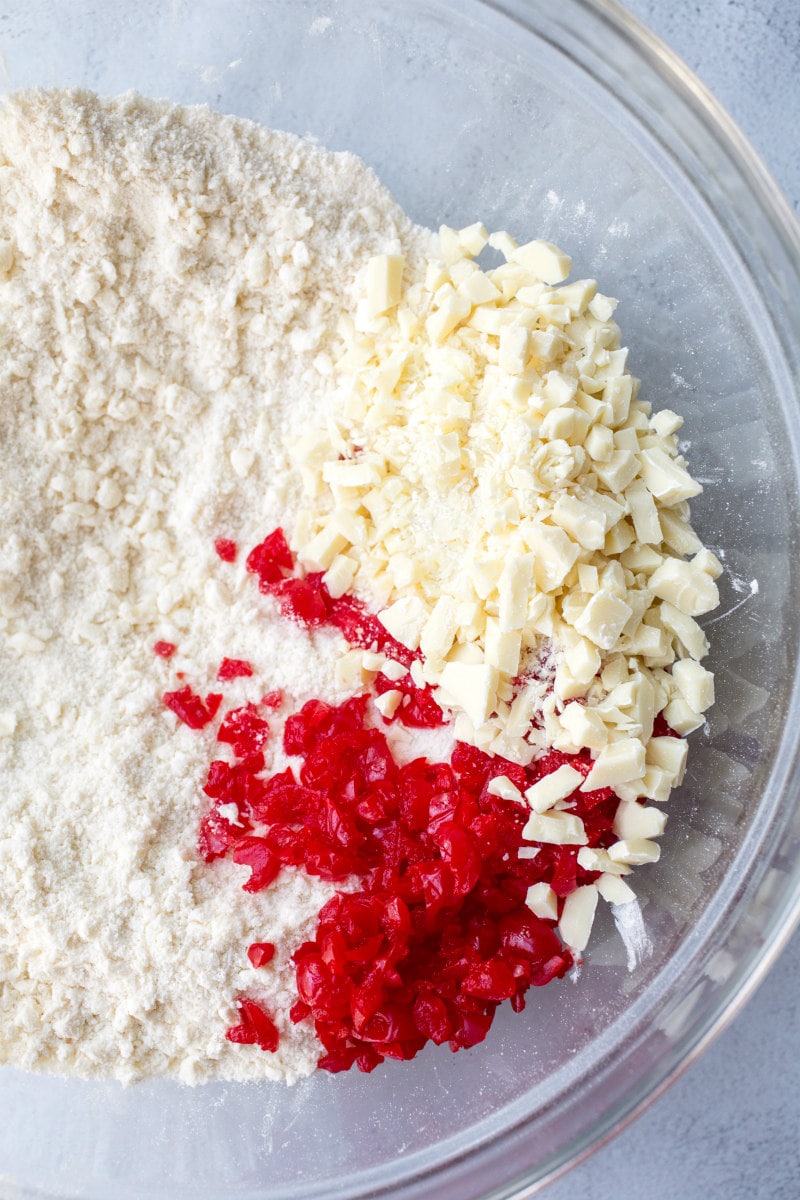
(170, 281)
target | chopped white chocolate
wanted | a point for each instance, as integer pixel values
(388, 702)
(439, 629)
(616, 763)
(542, 901)
(473, 687)
(603, 619)
(514, 587)
(633, 820)
(584, 727)
(559, 784)
(405, 620)
(392, 670)
(577, 917)
(692, 591)
(694, 683)
(502, 649)
(670, 755)
(614, 890)
(593, 859)
(384, 282)
(502, 786)
(544, 260)
(490, 480)
(635, 853)
(340, 575)
(669, 482)
(557, 829)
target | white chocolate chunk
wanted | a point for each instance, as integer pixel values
(618, 471)
(616, 763)
(544, 260)
(706, 560)
(513, 587)
(584, 727)
(557, 829)
(553, 555)
(603, 307)
(551, 788)
(340, 575)
(632, 821)
(321, 551)
(691, 591)
(670, 754)
(351, 473)
(685, 628)
(681, 717)
(384, 282)
(439, 629)
(603, 619)
(665, 422)
(473, 238)
(669, 482)
(388, 702)
(577, 917)
(502, 786)
(678, 534)
(502, 649)
(614, 890)
(473, 687)
(392, 670)
(695, 684)
(586, 524)
(635, 853)
(542, 901)
(643, 513)
(593, 859)
(515, 349)
(405, 620)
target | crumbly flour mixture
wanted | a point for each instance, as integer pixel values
(211, 333)
(169, 282)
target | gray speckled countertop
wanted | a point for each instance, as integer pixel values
(729, 1128)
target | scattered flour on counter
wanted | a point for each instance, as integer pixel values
(170, 282)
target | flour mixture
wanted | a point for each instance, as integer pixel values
(347, 606)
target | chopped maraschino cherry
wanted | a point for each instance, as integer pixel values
(261, 953)
(226, 549)
(234, 668)
(191, 708)
(256, 1028)
(432, 931)
(164, 649)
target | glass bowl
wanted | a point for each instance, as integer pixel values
(566, 121)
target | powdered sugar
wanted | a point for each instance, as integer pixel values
(171, 280)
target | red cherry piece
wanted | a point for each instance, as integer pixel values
(254, 852)
(261, 953)
(164, 649)
(244, 730)
(234, 668)
(270, 560)
(190, 708)
(226, 549)
(256, 1028)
